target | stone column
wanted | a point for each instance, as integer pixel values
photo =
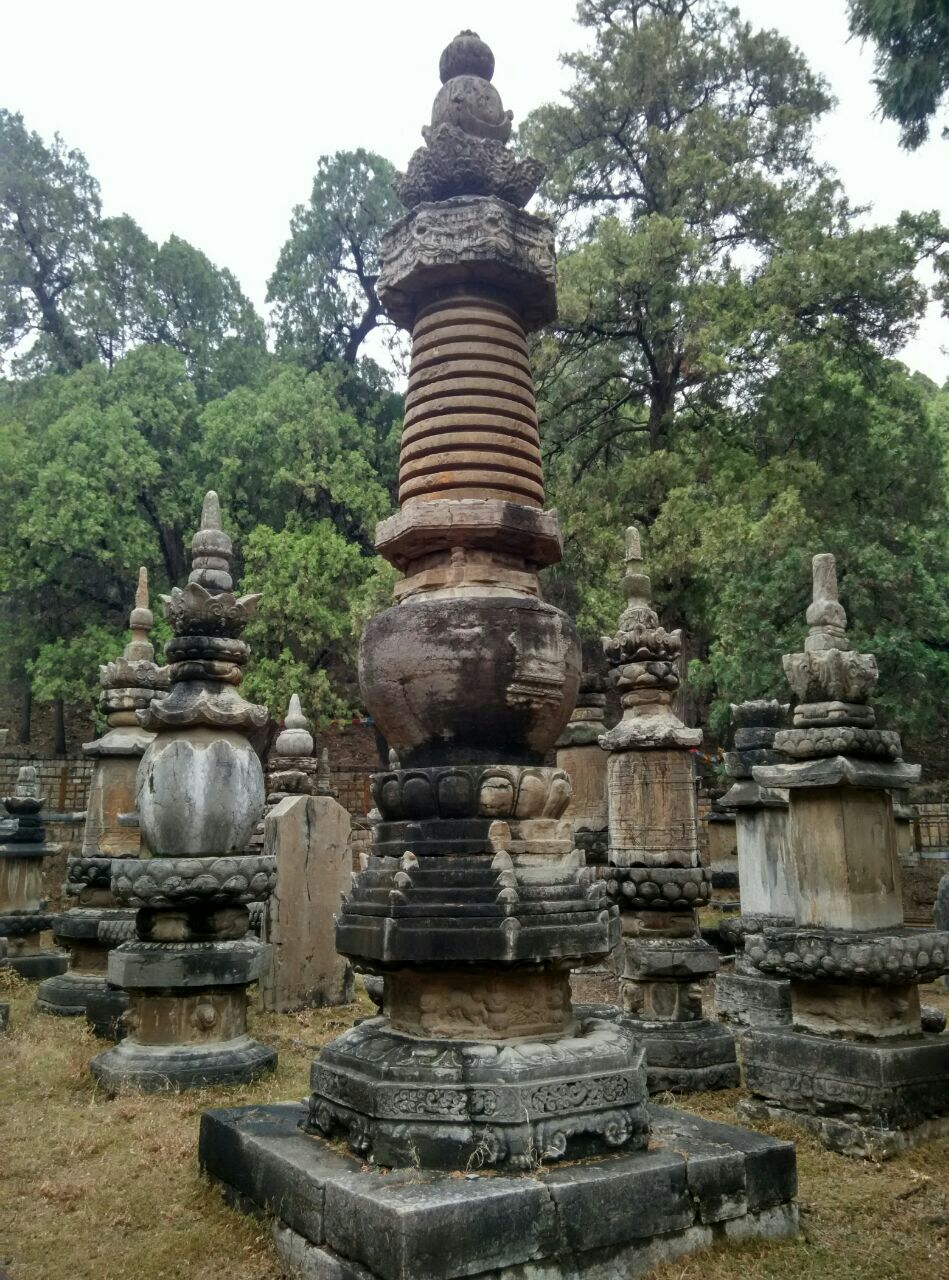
(745, 997)
(475, 904)
(23, 909)
(856, 1068)
(200, 791)
(655, 873)
(111, 830)
(307, 834)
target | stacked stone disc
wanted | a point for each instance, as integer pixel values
(745, 997)
(855, 1068)
(200, 792)
(97, 923)
(654, 872)
(24, 913)
(475, 904)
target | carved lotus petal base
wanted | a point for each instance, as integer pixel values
(405, 1100)
(495, 791)
(882, 958)
(172, 882)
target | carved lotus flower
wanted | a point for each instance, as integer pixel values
(197, 611)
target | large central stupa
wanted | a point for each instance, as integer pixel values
(475, 904)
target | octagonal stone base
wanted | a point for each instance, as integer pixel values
(699, 1184)
(687, 1057)
(104, 1013)
(443, 1103)
(752, 1000)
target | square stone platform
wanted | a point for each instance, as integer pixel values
(336, 1219)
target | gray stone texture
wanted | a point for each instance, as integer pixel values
(308, 838)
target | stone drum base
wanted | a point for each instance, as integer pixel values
(161, 1068)
(337, 1219)
(871, 1099)
(36, 965)
(687, 1057)
(68, 994)
(747, 1000)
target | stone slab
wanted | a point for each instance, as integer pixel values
(308, 836)
(744, 1000)
(848, 1138)
(618, 1216)
(149, 965)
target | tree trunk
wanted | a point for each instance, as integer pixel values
(26, 715)
(59, 728)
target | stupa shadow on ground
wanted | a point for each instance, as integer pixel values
(338, 1219)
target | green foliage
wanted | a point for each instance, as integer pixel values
(912, 60)
(721, 371)
(324, 285)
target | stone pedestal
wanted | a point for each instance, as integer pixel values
(111, 829)
(744, 997)
(308, 838)
(654, 872)
(23, 910)
(475, 903)
(199, 794)
(856, 1067)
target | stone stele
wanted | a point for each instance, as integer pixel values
(475, 904)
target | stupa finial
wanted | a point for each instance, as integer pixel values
(211, 549)
(295, 739)
(465, 152)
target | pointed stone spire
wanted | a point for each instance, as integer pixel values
(211, 549)
(141, 622)
(825, 616)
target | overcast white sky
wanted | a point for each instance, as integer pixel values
(206, 118)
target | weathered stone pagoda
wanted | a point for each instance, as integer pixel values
(23, 909)
(200, 791)
(855, 1068)
(111, 829)
(746, 997)
(475, 904)
(655, 873)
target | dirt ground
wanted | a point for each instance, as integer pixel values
(93, 1189)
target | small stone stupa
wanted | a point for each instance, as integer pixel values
(745, 997)
(475, 904)
(655, 873)
(855, 1068)
(111, 830)
(23, 909)
(200, 791)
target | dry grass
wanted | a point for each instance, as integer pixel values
(111, 1190)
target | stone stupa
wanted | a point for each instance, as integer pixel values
(476, 904)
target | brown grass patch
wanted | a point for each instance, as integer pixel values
(92, 1189)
